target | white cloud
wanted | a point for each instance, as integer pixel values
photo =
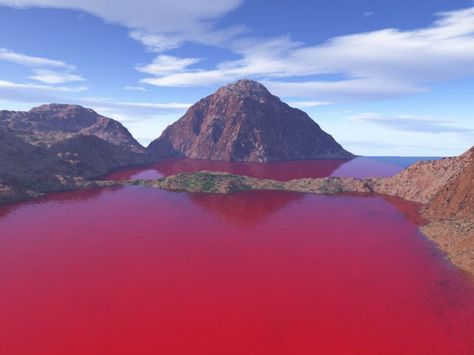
(206, 35)
(54, 77)
(151, 15)
(159, 24)
(398, 133)
(48, 71)
(414, 123)
(30, 61)
(38, 93)
(4, 84)
(373, 65)
(307, 104)
(135, 88)
(157, 42)
(165, 64)
(344, 90)
(136, 111)
(34, 93)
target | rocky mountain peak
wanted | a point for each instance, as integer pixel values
(244, 88)
(55, 107)
(243, 121)
(63, 111)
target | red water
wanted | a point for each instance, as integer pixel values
(359, 167)
(144, 271)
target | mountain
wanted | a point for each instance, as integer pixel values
(59, 147)
(244, 122)
(48, 124)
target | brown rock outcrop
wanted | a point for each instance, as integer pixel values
(455, 199)
(421, 181)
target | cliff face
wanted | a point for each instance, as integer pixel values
(444, 186)
(456, 198)
(451, 212)
(244, 122)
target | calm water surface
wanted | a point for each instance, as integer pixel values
(358, 167)
(144, 271)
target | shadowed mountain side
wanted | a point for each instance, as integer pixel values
(59, 147)
(244, 122)
(52, 123)
(31, 166)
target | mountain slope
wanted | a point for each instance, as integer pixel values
(244, 122)
(443, 185)
(456, 198)
(59, 147)
(445, 188)
(51, 123)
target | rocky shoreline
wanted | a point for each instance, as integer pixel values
(428, 184)
(454, 234)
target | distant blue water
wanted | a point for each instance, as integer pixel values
(401, 161)
(361, 167)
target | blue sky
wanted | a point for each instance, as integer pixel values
(384, 77)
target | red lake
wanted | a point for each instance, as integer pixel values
(136, 270)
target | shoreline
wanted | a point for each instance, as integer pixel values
(451, 236)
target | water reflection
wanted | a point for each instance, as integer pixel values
(277, 170)
(57, 198)
(245, 208)
(359, 167)
(235, 205)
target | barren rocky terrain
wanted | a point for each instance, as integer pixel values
(245, 122)
(60, 147)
